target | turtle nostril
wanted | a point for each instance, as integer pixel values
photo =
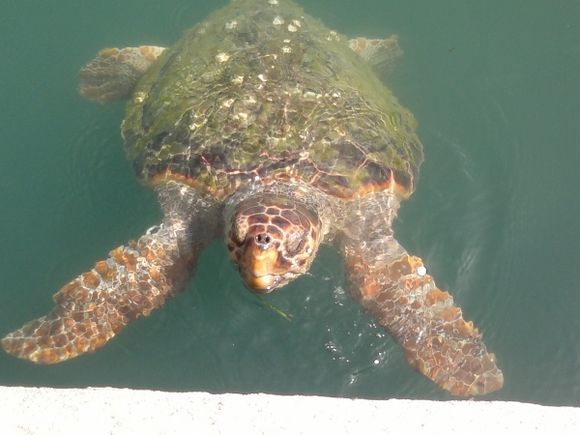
(263, 240)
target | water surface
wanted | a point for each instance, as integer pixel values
(496, 216)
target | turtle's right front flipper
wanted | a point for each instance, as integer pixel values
(395, 288)
(114, 72)
(133, 281)
(425, 321)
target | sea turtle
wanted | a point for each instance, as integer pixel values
(262, 124)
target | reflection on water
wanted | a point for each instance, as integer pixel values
(495, 215)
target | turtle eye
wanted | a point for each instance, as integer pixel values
(238, 232)
(295, 244)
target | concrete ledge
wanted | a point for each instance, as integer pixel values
(123, 411)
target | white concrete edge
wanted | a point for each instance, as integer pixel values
(124, 411)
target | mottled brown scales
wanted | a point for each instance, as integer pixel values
(459, 363)
(91, 280)
(92, 315)
(437, 296)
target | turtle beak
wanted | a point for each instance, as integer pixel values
(258, 265)
(262, 284)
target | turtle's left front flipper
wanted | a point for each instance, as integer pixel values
(396, 290)
(133, 281)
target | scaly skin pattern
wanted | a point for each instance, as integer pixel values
(260, 90)
(133, 281)
(273, 240)
(395, 288)
(89, 311)
(437, 341)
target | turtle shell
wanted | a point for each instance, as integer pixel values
(259, 92)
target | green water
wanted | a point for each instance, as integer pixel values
(495, 88)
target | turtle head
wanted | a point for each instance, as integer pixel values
(273, 239)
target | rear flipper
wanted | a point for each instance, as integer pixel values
(381, 54)
(396, 290)
(113, 73)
